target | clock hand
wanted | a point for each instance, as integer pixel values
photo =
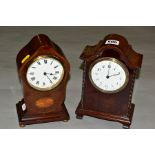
(115, 74)
(50, 73)
(47, 77)
(109, 66)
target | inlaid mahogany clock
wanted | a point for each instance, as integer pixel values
(43, 72)
(109, 72)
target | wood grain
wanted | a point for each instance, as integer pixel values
(42, 106)
(116, 106)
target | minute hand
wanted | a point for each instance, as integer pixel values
(49, 79)
(114, 74)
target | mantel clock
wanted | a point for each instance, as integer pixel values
(43, 72)
(109, 72)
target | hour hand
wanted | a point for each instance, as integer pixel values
(52, 74)
(49, 73)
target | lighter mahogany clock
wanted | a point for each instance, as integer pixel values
(109, 72)
(43, 72)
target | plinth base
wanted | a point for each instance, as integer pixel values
(126, 121)
(25, 119)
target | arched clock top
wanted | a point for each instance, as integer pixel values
(40, 45)
(111, 45)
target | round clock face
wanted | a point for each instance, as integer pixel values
(109, 75)
(45, 73)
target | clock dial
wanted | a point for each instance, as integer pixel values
(45, 73)
(109, 75)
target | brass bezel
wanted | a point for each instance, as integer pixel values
(119, 63)
(48, 88)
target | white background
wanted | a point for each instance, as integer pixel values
(80, 12)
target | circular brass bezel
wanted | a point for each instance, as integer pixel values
(113, 60)
(47, 88)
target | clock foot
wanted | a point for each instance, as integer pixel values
(79, 116)
(125, 126)
(21, 125)
(65, 120)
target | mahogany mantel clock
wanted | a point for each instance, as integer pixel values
(110, 69)
(43, 72)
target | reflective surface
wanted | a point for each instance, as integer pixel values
(108, 75)
(45, 73)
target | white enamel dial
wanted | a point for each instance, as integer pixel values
(109, 75)
(45, 73)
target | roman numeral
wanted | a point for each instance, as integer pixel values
(45, 61)
(56, 72)
(109, 65)
(37, 82)
(56, 66)
(38, 63)
(33, 67)
(54, 77)
(43, 83)
(32, 73)
(33, 78)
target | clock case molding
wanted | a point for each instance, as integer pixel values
(117, 106)
(41, 45)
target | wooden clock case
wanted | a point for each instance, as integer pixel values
(116, 106)
(41, 45)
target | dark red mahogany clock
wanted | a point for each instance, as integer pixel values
(43, 72)
(109, 72)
